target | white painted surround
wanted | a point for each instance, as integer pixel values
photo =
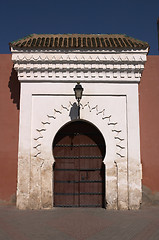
(110, 101)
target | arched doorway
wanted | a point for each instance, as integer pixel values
(79, 174)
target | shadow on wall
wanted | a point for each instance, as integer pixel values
(11, 202)
(149, 198)
(14, 86)
(74, 111)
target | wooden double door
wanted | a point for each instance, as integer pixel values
(79, 173)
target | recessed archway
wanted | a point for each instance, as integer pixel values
(79, 173)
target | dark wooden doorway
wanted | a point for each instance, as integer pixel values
(79, 173)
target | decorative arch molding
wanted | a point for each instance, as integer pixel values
(45, 125)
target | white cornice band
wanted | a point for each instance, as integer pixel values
(101, 66)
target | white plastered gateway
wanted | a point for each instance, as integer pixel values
(110, 101)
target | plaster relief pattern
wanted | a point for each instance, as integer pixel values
(105, 66)
(114, 127)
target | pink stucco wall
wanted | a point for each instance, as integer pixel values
(9, 114)
(149, 123)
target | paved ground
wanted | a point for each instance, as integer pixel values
(79, 224)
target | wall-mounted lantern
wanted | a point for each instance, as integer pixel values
(78, 95)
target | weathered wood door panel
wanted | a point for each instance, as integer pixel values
(79, 150)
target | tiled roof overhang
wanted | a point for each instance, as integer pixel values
(86, 41)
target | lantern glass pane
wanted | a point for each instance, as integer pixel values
(78, 94)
